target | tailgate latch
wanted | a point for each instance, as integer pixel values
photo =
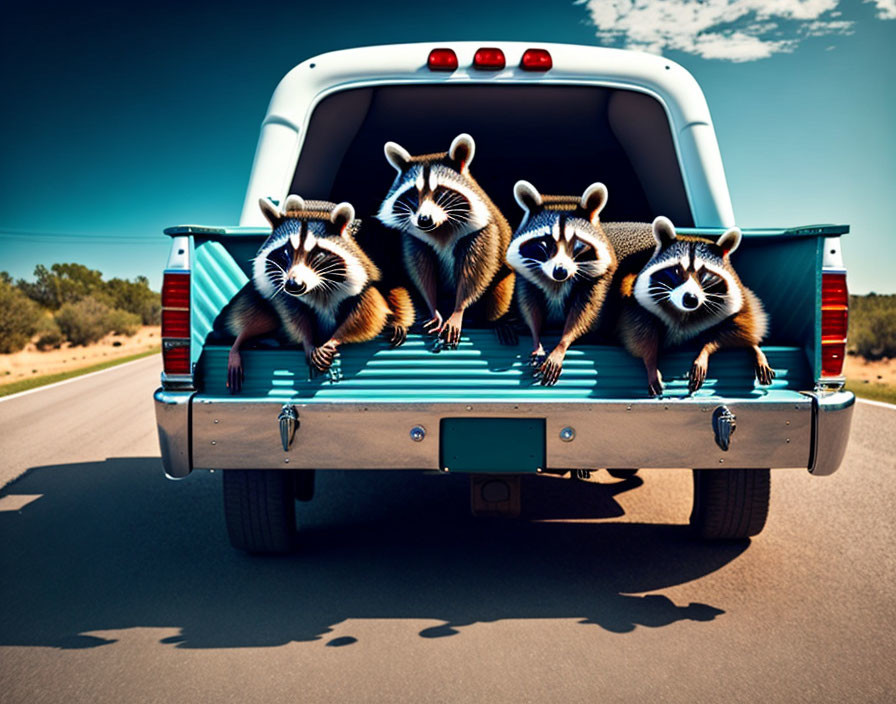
(723, 425)
(289, 421)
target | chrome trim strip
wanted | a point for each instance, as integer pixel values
(237, 434)
(833, 418)
(173, 421)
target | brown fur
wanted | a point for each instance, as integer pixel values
(642, 333)
(585, 298)
(480, 273)
(363, 317)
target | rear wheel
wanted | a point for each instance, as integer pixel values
(304, 484)
(730, 503)
(260, 509)
(622, 473)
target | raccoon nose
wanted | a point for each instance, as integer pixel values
(561, 273)
(690, 301)
(424, 221)
(296, 288)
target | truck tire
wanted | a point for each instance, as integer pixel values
(730, 503)
(260, 510)
(303, 484)
(622, 473)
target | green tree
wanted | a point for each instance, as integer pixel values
(49, 336)
(872, 325)
(19, 318)
(135, 297)
(123, 322)
(61, 283)
(84, 321)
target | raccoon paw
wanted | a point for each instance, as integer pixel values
(550, 370)
(322, 357)
(536, 359)
(765, 374)
(398, 336)
(697, 375)
(434, 325)
(451, 330)
(234, 372)
(655, 386)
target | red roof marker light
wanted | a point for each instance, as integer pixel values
(536, 60)
(489, 59)
(442, 60)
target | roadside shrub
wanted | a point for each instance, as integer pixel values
(123, 323)
(84, 321)
(872, 326)
(49, 336)
(135, 297)
(68, 283)
(18, 318)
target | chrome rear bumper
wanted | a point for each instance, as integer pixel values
(223, 433)
(173, 421)
(833, 418)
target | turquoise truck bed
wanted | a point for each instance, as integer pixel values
(782, 266)
(482, 370)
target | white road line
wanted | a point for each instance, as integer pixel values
(75, 378)
(881, 404)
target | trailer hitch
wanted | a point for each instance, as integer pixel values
(289, 421)
(723, 424)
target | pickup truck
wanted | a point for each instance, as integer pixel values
(562, 116)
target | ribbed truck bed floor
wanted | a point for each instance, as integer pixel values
(480, 369)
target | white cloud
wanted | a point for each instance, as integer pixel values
(886, 9)
(735, 30)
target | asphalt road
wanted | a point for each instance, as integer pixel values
(117, 585)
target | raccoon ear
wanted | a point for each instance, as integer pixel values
(397, 155)
(342, 216)
(730, 240)
(293, 203)
(594, 199)
(270, 212)
(527, 196)
(461, 151)
(663, 232)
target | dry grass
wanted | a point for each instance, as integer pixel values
(31, 363)
(875, 380)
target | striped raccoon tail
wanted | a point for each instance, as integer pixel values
(401, 315)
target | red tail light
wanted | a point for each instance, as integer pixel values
(489, 59)
(536, 60)
(442, 60)
(176, 290)
(176, 322)
(834, 322)
(175, 360)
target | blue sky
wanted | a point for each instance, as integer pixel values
(119, 121)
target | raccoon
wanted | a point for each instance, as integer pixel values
(453, 236)
(564, 265)
(312, 278)
(688, 290)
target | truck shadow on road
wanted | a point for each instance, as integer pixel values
(113, 545)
